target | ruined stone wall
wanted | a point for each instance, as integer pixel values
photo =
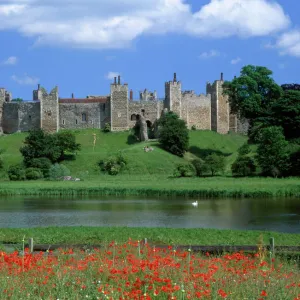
(196, 110)
(173, 97)
(212, 90)
(223, 109)
(49, 110)
(232, 123)
(119, 107)
(81, 115)
(149, 109)
(242, 126)
(2, 100)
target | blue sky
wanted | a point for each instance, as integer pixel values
(81, 44)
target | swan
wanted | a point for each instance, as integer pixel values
(195, 203)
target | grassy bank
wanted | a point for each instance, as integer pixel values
(98, 235)
(210, 187)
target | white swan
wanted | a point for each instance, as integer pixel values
(195, 203)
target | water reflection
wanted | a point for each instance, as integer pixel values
(256, 214)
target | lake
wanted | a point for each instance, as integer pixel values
(246, 214)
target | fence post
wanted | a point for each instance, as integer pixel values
(272, 246)
(30, 242)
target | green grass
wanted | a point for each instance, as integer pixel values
(98, 235)
(147, 173)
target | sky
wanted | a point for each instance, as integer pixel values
(80, 45)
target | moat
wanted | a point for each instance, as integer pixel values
(281, 215)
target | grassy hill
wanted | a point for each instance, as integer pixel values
(157, 162)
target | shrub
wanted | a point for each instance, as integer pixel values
(1, 163)
(43, 163)
(200, 167)
(16, 172)
(106, 128)
(244, 149)
(57, 171)
(173, 134)
(113, 164)
(184, 170)
(194, 127)
(243, 166)
(33, 173)
(215, 163)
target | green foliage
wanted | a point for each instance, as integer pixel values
(295, 164)
(244, 149)
(193, 127)
(57, 171)
(113, 164)
(16, 172)
(253, 92)
(17, 100)
(243, 166)
(199, 166)
(184, 170)
(42, 163)
(33, 173)
(215, 163)
(173, 134)
(1, 163)
(272, 152)
(106, 128)
(52, 146)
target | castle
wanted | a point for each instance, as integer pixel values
(51, 113)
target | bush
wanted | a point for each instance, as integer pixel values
(243, 166)
(16, 172)
(1, 163)
(106, 128)
(114, 164)
(199, 166)
(194, 127)
(215, 163)
(57, 171)
(173, 134)
(33, 173)
(43, 163)
(184, 170)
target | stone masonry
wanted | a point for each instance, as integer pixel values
(51, 113)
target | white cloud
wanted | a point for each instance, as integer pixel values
(235, 61)
(25, 80)
(111, 75)
(12, 60)
(289, 43)
(114, 24)
(209, 54)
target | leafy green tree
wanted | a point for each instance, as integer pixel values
(57, 171)
(295, 164)
(243, 166)
(17, 100)
(173, 134)
(272, 152)
(42, 163)
(184, 170)
(66, 141)
(215, 163)
(33, 174)
(253, 92)
(286, 113)
(244, 149)
(199, 166)
(16, 172)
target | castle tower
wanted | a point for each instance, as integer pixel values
(119, 105)
(2, 100)
(37, 94)
(49, 110)
(219, 107)
(173, 96)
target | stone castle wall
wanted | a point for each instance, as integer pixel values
(2, 100)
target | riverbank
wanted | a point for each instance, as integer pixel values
(147, 185)
(170, 236)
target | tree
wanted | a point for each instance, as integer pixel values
(215, 163)
(253, 92)
(243, 166)
(173, 134)
(66, 141)
(272, 152)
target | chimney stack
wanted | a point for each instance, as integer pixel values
(119, 79)
(175, 79)
(115, 82)
(222, 76)
(39, 87)
(131, 95)
(72, 95)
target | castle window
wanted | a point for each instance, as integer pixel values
(83, 117)
(63, 121)
(29, 117)
(133, 117)
(143, 112)
(76, 121)
(103, 107)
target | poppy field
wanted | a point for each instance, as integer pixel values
(133, 270)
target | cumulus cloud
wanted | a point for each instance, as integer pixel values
(12, 60)
(209, 54)
(235, 61)
(25, 80)
(111, 75)
(289, 43)
(114, 24)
